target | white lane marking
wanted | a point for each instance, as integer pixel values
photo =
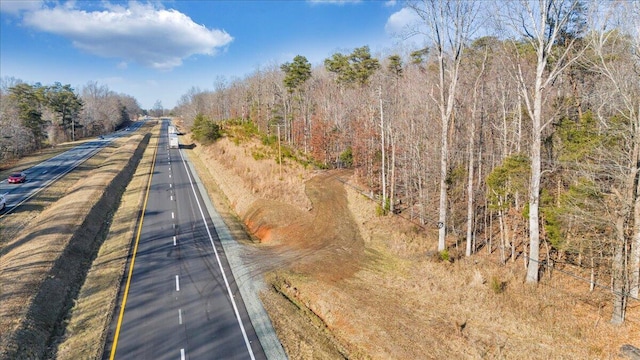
(180, 316)
(174, 241)
(177, 283)
(173, 216)
(182, 354)
(169, 175)
(224, 276)
(171, 197)
(170, 185)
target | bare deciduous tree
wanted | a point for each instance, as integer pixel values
(540, 24)
(448, 24)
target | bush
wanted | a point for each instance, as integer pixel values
(498, 286)
(346, 158)
(270, 140)
(258, 155)
(444, 256)
(205, 130)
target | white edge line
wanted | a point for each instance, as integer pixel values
(224, 276)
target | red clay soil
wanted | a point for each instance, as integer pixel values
(323, 242)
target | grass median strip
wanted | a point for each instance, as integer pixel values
(93, 312)
(44, 265)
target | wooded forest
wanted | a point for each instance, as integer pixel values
(34, 116)
(524, 140)
(514, 128)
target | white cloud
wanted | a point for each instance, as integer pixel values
(401, 21)
(141, 33)
(15, 7)
(390, 3)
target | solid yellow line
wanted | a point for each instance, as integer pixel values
(133, 260)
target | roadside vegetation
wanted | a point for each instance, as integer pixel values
(346, 282)
(523, 143)
(36, 116)
(48, 246)
(474, 197)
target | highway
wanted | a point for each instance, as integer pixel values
(47, 172)
(179, 299)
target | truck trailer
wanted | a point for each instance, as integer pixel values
(173, 142)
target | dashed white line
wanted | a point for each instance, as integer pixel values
(177, 283)
(170, 185)
(224, 276)
(171, 197)
(174, 241)
(180, 316)
(182, 354)
(173, 216)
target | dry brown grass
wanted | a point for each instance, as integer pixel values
(91, 316)
(400, 303)
(43, 265)
(260, 179)
(372, 295)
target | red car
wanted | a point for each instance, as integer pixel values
(17, 178)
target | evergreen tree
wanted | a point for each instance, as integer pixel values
(29, 99)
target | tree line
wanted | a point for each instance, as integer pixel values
(524, 141)
(33, 116)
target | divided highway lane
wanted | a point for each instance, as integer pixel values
(180, 300)
(47, 172)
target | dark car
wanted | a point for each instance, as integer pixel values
(16, 178)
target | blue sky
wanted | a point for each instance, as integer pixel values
(159, 50)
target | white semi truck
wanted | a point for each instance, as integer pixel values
(173, 141)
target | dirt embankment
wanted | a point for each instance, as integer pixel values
(346, 283)
(43, 268)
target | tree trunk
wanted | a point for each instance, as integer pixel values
(635, 248)
(618, 275)
(442, 214)
(635, 243)
(383, 168)
(392, 187)
(536, 171)
(470, 193)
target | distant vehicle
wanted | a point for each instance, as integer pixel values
(100, 137)
(173, 142)
(127, 129)
(3, 202)
(16, 178)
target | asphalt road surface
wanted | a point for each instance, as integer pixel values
(180, 301)
(47, 172)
